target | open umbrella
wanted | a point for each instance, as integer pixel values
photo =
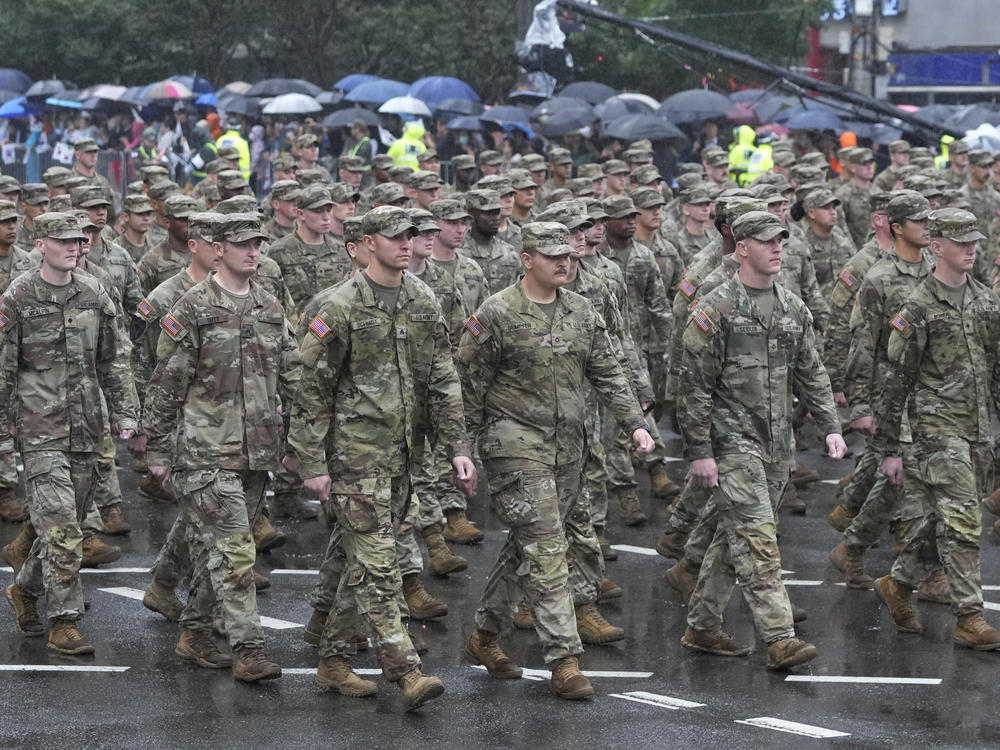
(526, 94)
(292, 104)
(279, 86)
(106, 91)
(621, 105)
(807, 106)
(770, 107)
(434, 89)
(559, 104)
(937, 114)
(749, 95)
(590, 91)
(815, 119)
(19, 107)
(350, 82)
(459, 107)
(505, 113)
(195, 85)
(14, 80)
(877, 132)
(465, 122)
(65, 100)
(651, 127)
(39, 91)
(695, 105)
(133, 95)
(207, 100)
(567, 121)
(236, 87)
(237, 104)
(377, 92)
(329, 98)
(972, 116)
(743, 113)
(166, 90)
(6, 95)
(405, 105)
(344, 118)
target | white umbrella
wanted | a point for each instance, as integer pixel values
(292, 104)
(405, 105)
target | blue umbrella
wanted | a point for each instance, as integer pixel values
(809, 106)
(352, 81)
(377, 92)
(207, 100)
(197, 85)
(14, 79)
(459, 107)
(817, 119)
(19, 107)
(61, 101)
(434, 89)
(505, 113)
(509, 126)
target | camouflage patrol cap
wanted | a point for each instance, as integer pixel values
(592, 172)
(758, 225)
(774, 178)
(952, 198)
(238, 204)
(306, 140)
(9, 185)
(354, 229)
(153, 173)
(428, 154)
(60, 203)
(383, 161)
(643, 144)
(341, 192)
(424, 180)
(843, 154)
(647, 198)
(899, 147)
(72, 182)
(285, 190)
(814, 159)
(807, 173)
(202, 224)
(571, 214)
(490, 158)
(83, 219)
(696, 195)
(389, 221)
(284, 162)
(388, 192)
(920, 152)
(60, 225)
(34, 193)
(55, 176)
(85, 144)
(819, 198)
(160, 191)
(907, 205)
(8, 211)
(733, 207)
(482, 200)
(768, 193)
(559, 194)
(181, 206)
(136, 204)
(423, 220)
(228, 153)
(958, 147)
(635, 155)
(560, 156)
(691, 167)
(546, 237)
(89, 196)
(783, 158)
(619, 207)
(689, 180)
(615, 166)
(956, 225)
(314, 196)
(231, 179)
(534, 163)
(647, 174)
(210, 192)
(520, 179)
(980, 158)
(496, 182)
(217, 165)
(595, 209)
(351, 163)
(237, 228)
(463, 161)
(580, 186)
(879, 199)
(401, 174)
(923, 185)
(861, 156)
(715, 157)
(448, 209)
(314, 176)
(135, 188)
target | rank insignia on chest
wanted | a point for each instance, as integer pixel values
(319, 328)
(145, 308)
(847, 278)
(687, 287)
(474, 326)
(171, 326)
(899, 323)
(703, 321)
(4, 320)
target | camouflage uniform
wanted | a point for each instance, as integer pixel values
(829, 256)
(165, 260)
(735, 394)
(798, 275)
(308, 269)
(500, 264)
(856, 203)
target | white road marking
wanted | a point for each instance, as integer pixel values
(793, 582)
(830, 481)
(267, 622)
(672, 459)
(991, 605)
(793, 727)
(294, 572)
(991, 587)
(864, 680)
(96, 570)
(788, 572)
(544, 674)
(636, 550)
(312, 671)
(652, 699)
(58, 668)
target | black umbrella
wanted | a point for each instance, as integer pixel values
(329, 98)
(239, 105)
(465, 122)
(695, 105)
(459, 107)
(7, 95)
(279, 86)
(877, 132)
(768, 109)
(39, 91)
(749, 95)
(558, 104)
(590, 91)
(344, 118)
(13, 79)
(936, 114)
(567, 121)
(619, 106)
(634, 127)
(133, 95)
(505, 113)
(972, 116)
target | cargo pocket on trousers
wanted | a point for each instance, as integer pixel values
(511, 500)
(360, 513)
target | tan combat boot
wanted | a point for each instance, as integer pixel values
(151, 488)
(159, 598)
(334, 673)
(260, 580)
(523, 619)
(631, 511)
(422, 605)
(418, 688)
(200, 648)
(10, 507)
(609, 590)
(840, 518)
(568, 681)
(850, 561)
(484, 648)
(993, 502)
(682, 578)
(972, 631)
(593, 628)
(671, 543)
(97, 552)
(265, 536)
(788, 652)
(801, 476)
(442, 560)
(458, 529)
(791, 502)
(17, 550)
(717, 643)
(25, 607)
(253, 665)
(607, 552)
(114, 521)
(291, 505)
(896, 596)
(66, 638)
(935, 589)
(662, 485)
(314, 628)
(844, 481)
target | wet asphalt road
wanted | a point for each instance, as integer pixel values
(920, 691)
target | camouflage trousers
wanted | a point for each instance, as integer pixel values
(690, 506)
(432, 484)
(59, 487)
(885, 501)
(369, 513)
(173, 562)
(863, 478)
(745, 549)
(8, 471)
(109, 491)
(537, 504)
(595, 472)
(949, 477)
(285, 483)
(220, 505)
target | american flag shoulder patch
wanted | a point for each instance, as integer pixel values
(4, 320)
(319, 327)
(703, 321)
(171, 326)
(899, 323)
(686, 287)
(847, 278)
(145, 308)
(474, 326)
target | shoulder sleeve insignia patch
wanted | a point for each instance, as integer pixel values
(474, 326)
(686, 287)
(847, 278)
(171, 326)
(145, 308)
(703, 321)
(319, 328)
(899, 323)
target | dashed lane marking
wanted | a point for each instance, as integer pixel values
(545, 674)
(272, 623)
(793, 582)
(635, 550)
(312, 671)
(793, 727)
(293, 572)
(652, 699)
(864, 679)
(58, 668)
(96, 570)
